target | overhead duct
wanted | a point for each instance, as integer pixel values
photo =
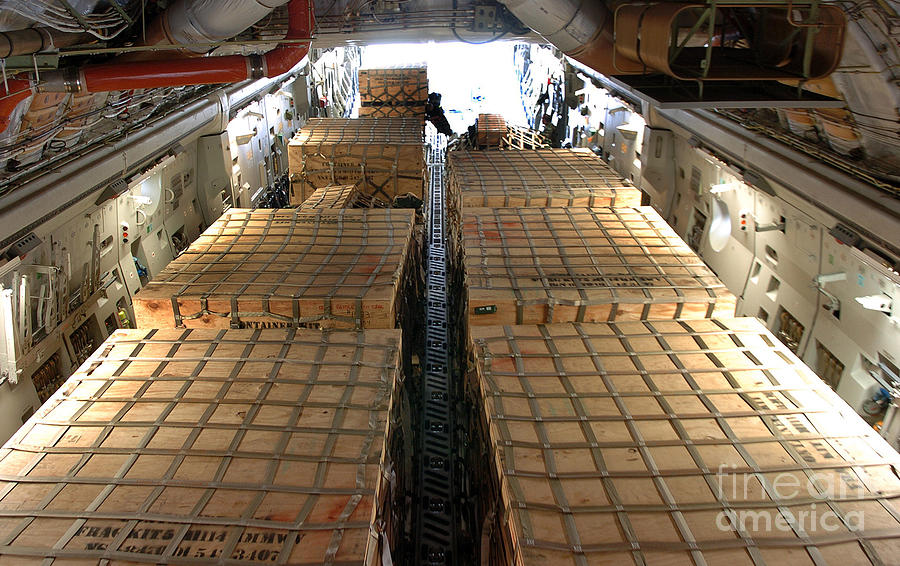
(195, 24)
(800, 40)
(34, 40)
(581, 29)
(169, 73)
(203, 70)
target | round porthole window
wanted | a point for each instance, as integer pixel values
(720, 227)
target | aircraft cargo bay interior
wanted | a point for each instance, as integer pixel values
(441, 283)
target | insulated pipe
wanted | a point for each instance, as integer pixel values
(202, 22)
(34, 40)
(567, 24)
(582, 29)
(207, 21)
(203, 70)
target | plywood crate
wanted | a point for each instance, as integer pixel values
(383, 157)
(491, 128)
(340, 196)
(539, 178)
(325, 268)
(393, 92)
(209, 447)
(535, 265)
(677, 443)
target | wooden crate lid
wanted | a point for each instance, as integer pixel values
(359, 131)
(634, 443)
(481, 177)
(259, 261)
(577, 257)
(202, 446)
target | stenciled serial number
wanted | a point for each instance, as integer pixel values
(196, 543)
(576, 280)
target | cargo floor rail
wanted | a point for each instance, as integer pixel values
(436, 513)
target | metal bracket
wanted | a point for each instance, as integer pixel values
(487, 19)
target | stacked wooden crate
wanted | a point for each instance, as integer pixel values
(329, 268)
(673, 442)
(647, 425)
(393, 92)
(490, 130)
(536, 178)
(341, 196)
(529, 178)
(536, 265)
(382, 157)
(199, 446)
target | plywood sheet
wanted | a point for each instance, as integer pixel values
(678, 443)
(205, 447)
(383, 157)
(324, 268)
(535, 265)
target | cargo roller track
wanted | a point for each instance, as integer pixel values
(436, 514)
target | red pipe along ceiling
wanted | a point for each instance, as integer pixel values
(172, 72)
(203, 70)
(168, 73)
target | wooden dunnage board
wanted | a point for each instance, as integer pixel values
(676, 443)
(340, 196)
(537, 265)
(400, 91)
(383, 157)
(208, 447)
(536, 178)
(324, 268)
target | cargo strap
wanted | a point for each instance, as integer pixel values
(232, 528)
(554, 175)
(759, 384)
(585, 266)
(254, 290)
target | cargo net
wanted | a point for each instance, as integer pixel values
(507, 137)
(208, 447)
(550, 177)
(534, 265)
(393, 92)
(548, 171)
(287, 268)
(341, 196)
(688, 442)
(383, 158)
